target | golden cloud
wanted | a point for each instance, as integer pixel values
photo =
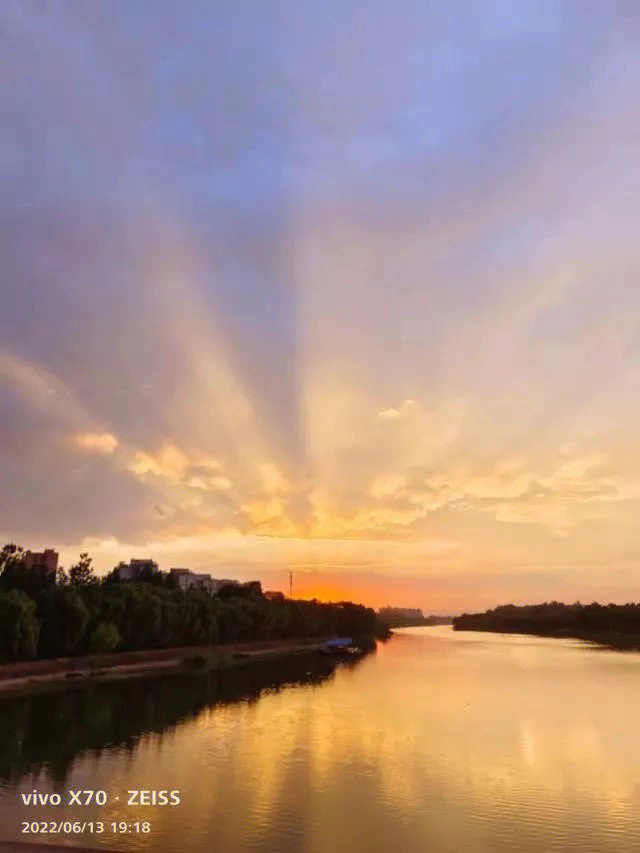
(170, 462)
(391, 414)
(96, 442)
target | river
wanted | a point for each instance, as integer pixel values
(439, 741)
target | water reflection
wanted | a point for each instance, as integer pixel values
(441, 742)
(46, 731)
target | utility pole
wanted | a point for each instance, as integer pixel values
(290, 584)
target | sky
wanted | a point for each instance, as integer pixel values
(345, 289)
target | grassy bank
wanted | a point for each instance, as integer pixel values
(32, 847)
(25, 674)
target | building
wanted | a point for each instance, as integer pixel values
(235, 589)
(218, 584)
(46, 561)
(147, 570)
(274, 595)
(137, 570)
(186, 579)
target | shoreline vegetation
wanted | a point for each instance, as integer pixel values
(409, 617)
(75, 625)
(34, 847)
(614, 626)
(20, 675)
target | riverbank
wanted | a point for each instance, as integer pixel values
(611, 626)
(613, 640)
(27, 674)
(30, 847)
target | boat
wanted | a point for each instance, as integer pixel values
(340, 646)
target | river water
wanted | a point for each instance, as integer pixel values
(439, 741)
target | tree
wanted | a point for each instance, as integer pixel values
(71, 614)
(19, 627)
(81, 573)
(11, 562)
(64, 620)
(105, 638)
(14, 574)
(113, 576)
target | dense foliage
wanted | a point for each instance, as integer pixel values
(399, 617)
(406, 617)
(618, 624)
(76, 613)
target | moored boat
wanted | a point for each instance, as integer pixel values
(340, 646)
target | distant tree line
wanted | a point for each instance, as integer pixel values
(75, 612)
(400, 617)
(612, 624)
(409, 617)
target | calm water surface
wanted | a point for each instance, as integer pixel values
(440, 741)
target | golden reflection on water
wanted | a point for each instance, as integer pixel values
(440, 741)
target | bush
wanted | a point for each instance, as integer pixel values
(105, 638)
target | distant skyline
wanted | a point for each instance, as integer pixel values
(345, 289)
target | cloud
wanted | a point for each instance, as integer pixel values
(42, 390)
(209, 483)
(169, 462)
(96, 442)
(274, 480)
(390, 307)
(197, 471)
(387, 485)
(391, 414)
(268, 518)
(577, 468)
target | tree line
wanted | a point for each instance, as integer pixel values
(409, 617)
(614, 624)
(75, 612)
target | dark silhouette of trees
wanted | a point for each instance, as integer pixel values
(19, 627)
(81, 573)
(15, 575)
(612, 624)
(82, 614)
(64, 618)
(11, 561)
